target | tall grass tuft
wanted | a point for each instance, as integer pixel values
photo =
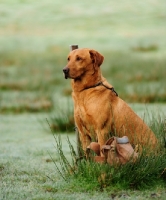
(62, 120)
(85, 175)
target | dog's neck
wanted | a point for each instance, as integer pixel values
(87, 81)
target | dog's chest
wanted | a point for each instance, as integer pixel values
(81, 111)
(87, 109)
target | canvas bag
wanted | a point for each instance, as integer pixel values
(116, 151)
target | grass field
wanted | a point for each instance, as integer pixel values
(34, 43)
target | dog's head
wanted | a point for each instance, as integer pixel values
(82, 62)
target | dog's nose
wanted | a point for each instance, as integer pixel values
(66, 72)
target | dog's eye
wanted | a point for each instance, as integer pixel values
(68, 59)
(78, 58)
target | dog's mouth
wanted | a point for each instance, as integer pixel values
(66, 72)
(66, 76)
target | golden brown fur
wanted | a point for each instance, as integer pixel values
(98, 111)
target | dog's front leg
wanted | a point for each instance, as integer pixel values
(83, 140)
(102, 136)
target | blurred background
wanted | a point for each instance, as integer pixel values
(35, 38)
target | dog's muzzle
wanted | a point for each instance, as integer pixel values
(66, 72)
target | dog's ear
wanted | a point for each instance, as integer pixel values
(96, 57)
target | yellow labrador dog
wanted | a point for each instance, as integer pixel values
(98, 110)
